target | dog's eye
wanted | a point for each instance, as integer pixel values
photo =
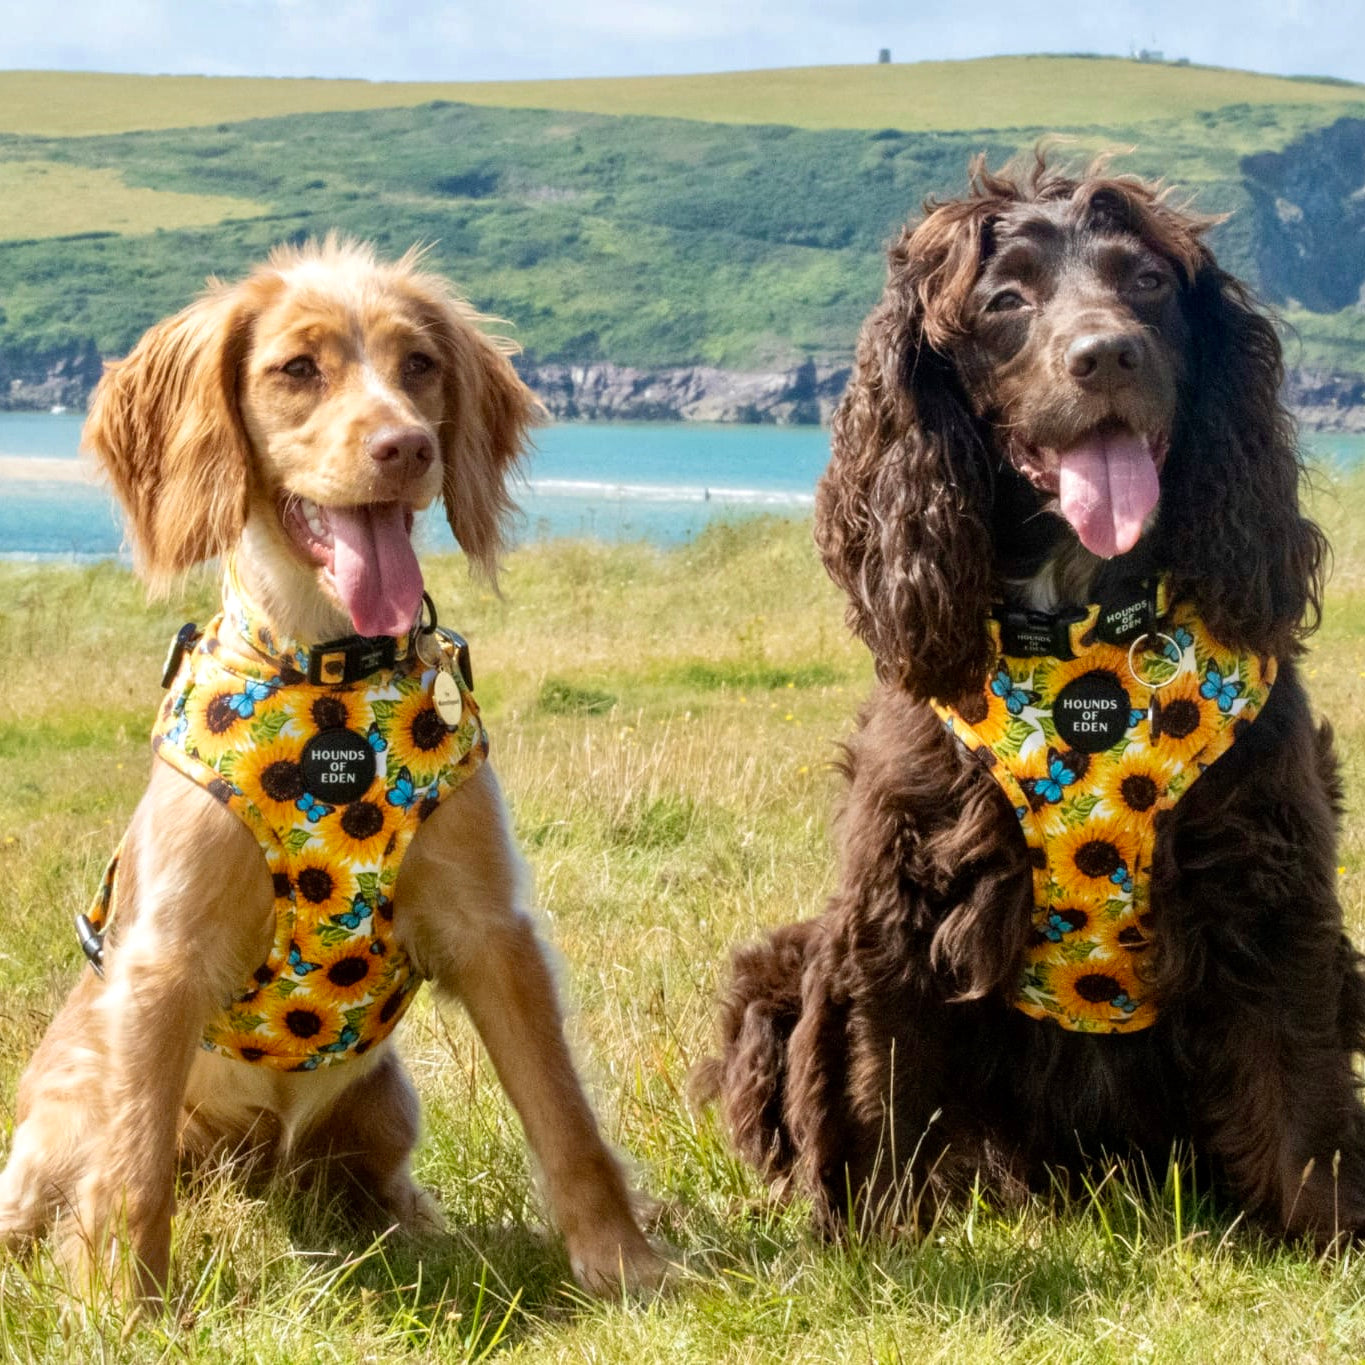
(418, 364)
(1005, 301)
(1148, 281)
(301, 367)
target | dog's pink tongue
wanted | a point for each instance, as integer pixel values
(375, 568)
(1108, 486)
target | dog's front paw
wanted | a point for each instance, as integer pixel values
(610, 1260)
(416, 1213)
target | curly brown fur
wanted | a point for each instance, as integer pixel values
(874, 1055)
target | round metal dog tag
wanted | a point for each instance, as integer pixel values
(448, 699)
(338, 766)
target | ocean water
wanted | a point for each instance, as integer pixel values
(654, 481)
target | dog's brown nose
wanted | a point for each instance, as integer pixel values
(1104, 359)
(390, 445)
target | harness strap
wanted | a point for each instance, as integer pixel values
(1090, 748)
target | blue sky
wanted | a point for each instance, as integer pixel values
(488, 40)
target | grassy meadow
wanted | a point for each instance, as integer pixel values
(1007, 92)
(663, 723)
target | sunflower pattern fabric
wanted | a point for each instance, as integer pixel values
(1087, 794)
(242, 721)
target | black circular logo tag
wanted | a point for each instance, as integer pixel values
(338, 766)
(1091, 712)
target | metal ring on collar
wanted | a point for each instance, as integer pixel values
(1137, 677)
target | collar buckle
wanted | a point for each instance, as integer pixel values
(185, 640)
(349, 659)
(1037, 634)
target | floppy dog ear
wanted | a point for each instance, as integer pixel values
(901, 514)
(488, 415)
(1230, 519)
(165, 426)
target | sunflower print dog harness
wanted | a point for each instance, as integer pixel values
(1093, 726)
(333, 779)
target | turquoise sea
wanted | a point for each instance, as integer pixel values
(654, 481)
(660, 482)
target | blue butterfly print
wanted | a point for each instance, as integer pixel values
(355, 916)
(244, 702)
(1058, 776)
(1122, 1001)
(1220, 689)
(300, 967)
(346, 1038)
(404, 795)
(1015, 698)
(1135, 717)
(312, 808)
(377, 741)
(177, 731)
(1175, 647)
(1056, 928)
(1122, 878)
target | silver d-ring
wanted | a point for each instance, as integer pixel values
(428, 637)
(1137, 677)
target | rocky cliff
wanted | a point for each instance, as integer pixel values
(36, 382)
(807, 394)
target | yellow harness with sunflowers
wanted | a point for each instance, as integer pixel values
(1094, 723)
(332, 757)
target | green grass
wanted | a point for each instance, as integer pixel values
(1005, 92)
(736, 220)
(664, 725)
(50, 199)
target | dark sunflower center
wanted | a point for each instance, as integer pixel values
(1179, 718)
(283, 780)
(1097, 989)
(329, 714)
(1138, 791)
(347, 971)
(429, 731)
(316, 885)
(303, 1023)
(1097, 858)
(362, 820)
(219, 716)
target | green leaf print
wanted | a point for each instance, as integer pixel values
(383, 713)
(267, 728)
(1077, 811)
(297, 839)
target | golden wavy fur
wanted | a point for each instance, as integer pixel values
(328, 377)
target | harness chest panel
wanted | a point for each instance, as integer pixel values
(1089, 756)
(333, 780)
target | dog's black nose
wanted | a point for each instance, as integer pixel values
(1105, 359)
(389, 445)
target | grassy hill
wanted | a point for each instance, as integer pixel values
(1005, 92)
(734, 219)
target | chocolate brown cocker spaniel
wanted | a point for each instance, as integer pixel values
(1087, 904)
